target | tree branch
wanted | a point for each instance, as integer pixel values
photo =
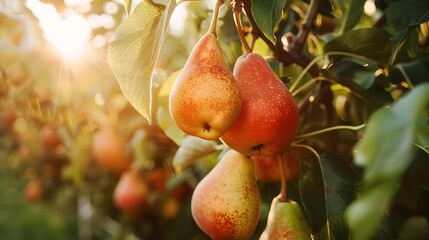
(285, 56)
(298, 42)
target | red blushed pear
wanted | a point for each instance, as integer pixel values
(33, 191)
(205, 99)
(49, 136)
(269, 117)
(131, 192)
(226, 202)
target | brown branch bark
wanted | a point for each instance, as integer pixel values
(286, 56)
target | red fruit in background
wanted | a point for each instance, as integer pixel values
(33, 191)
(109, 149)
(131, 191)
(8, 116)
(157, 179)
(170, 208)
(267, 168)
(269, 117)
(49, 136)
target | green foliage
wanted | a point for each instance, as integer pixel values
(327, 186)
(386, 152)
(371, 43)
(267, 15)
(402, 15)
(352, 12)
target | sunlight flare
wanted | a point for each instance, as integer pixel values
(68, 34)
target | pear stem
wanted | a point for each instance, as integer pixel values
(283, 188)
(237, 9)
(215, 17)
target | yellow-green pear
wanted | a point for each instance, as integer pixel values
(285, 222)
(226, 202)
(205, 99)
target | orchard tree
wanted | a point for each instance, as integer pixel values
(251, 119)
(356, 73)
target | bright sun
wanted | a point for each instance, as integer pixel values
(68, 34)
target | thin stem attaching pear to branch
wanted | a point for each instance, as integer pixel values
(237, 7)
(213, 24)
(283, 186)
(298, 42)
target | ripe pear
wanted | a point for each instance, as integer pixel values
(205, 99)
(285, 222)
(269, 118)
(226, 202)
(131, 192)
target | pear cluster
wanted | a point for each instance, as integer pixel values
(251, 111)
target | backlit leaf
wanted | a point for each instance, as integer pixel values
(127, 4)
(134, 52)
(191, 150)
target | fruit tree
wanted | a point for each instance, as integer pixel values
(214, 119)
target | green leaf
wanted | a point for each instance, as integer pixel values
(127, 4)
(386, 150)
(134, 52)
(327, 187)
(368, 42)
(401, 15)
(267, 14)
(191, 150)
(352, 12)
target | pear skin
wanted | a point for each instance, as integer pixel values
(269, 117)
(226, 202)
(286, 222)
(205, 99)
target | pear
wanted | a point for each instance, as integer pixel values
(226, 202)
(285, 222)
(205, 99)
(269, 117)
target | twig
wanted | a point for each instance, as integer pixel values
(213, 24)
(298, 42)
(237, 9)
(287, 58)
